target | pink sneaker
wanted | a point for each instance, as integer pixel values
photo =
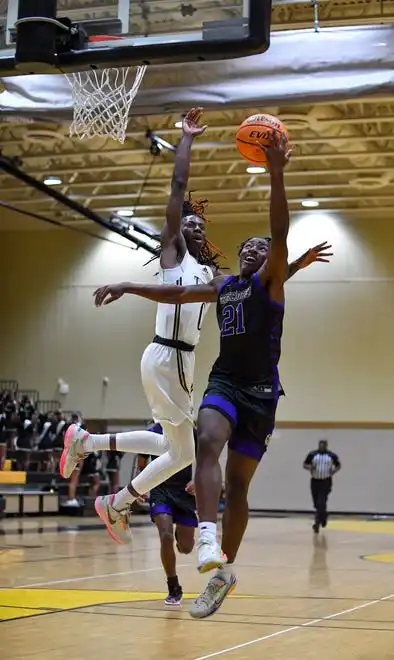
(116, 522)
(73, 451)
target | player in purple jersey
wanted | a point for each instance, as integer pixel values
(240, 402)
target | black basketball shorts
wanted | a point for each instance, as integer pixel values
(251, 415)
(176, 502)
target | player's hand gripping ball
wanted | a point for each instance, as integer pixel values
(255, 131)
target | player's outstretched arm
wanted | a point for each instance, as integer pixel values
(276, 268)
(314, 254)
(172, 241)
(162, 293)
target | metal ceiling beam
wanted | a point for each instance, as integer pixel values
(212, 193)
(316, 123)
(154, 181)
(203, 163)
(367, 210)
(257, 203)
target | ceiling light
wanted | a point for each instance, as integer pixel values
(125, 213)
(52, 181)
(310, 203)
(252, 169)
(178, 124)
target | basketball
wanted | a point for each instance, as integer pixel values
(257, 129)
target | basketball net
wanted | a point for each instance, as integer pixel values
(102, 102)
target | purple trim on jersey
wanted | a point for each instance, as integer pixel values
(276, 383)
(188, 521)
(247, 448)
(221, 404)
(157, 509)
(226, 281)
(262, 288)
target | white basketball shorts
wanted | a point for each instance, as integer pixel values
(167, 377)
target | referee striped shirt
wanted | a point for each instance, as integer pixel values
(322, 463)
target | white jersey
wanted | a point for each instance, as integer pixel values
(183, 322)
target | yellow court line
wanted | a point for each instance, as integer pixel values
(31, 602)
(380, 558)
(363, 526)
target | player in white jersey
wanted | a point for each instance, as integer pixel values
(167, 365)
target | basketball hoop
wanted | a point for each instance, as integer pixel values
(102, 99)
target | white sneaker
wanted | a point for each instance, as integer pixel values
(209, 555)
(71, 503)
(116, 522)
(73, 451)
(213, 596)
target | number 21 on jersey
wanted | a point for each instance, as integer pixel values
(233, 320)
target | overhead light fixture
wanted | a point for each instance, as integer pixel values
(310, 203)
(178, 124)
(125, 213)
(253, 169)
(52, 181)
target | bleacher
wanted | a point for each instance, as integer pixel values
(30, 482)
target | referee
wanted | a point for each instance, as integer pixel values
(322, 464)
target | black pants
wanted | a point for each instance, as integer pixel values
(320, 489)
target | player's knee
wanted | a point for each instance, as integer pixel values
(185, 546)
(181, 445)
(166, 537)
(206, 447)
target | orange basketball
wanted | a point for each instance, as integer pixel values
(257, 129)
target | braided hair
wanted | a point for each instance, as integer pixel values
(209, 253)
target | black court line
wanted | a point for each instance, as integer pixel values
(18, 547)
(147, 614)
(68, 558)
(116, 606)
(220, 619)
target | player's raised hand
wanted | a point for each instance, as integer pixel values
(190, 124)
(277, 152)
(108, 294)
(317, 253)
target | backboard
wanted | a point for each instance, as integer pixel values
(153, 31)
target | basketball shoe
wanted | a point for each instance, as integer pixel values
(218, 587)
(73, 451)
(209, 554)
(174, 598)
(116, 522)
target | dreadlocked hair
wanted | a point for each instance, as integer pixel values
(209, 253)
(241, 247)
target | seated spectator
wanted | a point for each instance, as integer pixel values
(112, 469)
(59, 426)
(24, 441)
(90, 469)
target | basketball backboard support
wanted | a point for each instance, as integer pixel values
(153, 31)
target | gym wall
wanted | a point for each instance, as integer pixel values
(337, 363)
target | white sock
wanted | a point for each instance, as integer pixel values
(123, 499)
(180, 454)
(136, 442)
(208, 530)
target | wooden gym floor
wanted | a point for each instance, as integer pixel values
(69, 592)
